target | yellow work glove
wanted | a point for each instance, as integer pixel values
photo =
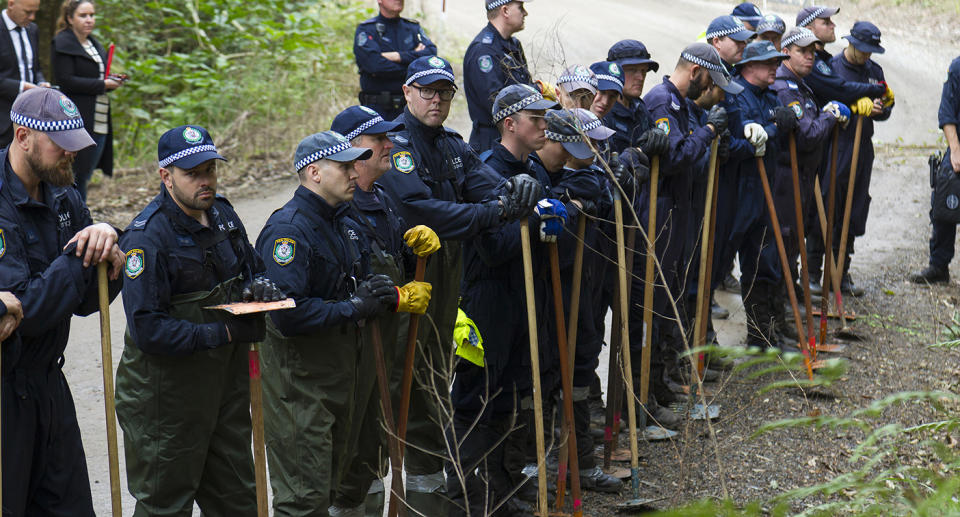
(888, 97)
(422, 239)
(548, 90)
(414, 297)
(863, 106)
(468, 339)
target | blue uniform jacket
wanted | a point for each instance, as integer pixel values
(380, 219)
(949, 112)
(178, 255)
(437, 180)
(490, 63)
(828, 86)
(50, 282)
(629, 124)
(380, 34)
(316, 254)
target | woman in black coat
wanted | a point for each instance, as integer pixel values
(78, 63)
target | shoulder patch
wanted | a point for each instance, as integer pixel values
(133, 265)
(141, 220)
(399, 139)
(792, 85)
(284, 250)
(797, 108)
(3, 243)
(403, 162)
(487, 38)
(663, 124)
(361, 38)
(674, 103)
(485, 63)
(824, 68)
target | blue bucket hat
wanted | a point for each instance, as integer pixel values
(747, 12)
(631, 52)
(728, 26)
(186, 147)
(609, 76)
(760, 51)
(361, 120)
(771, 23)
(428, 70)
(808, 14)
(519, 97)
(328, 145)
(865, 37)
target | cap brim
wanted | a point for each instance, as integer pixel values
(543, 104)
(863, 46)
(189, 162)
(769, 56)
(579, 150)
(654, 66)
(724, 83)
(604, 85)
(742, 35)
(71, 140)
(600, 133)
(351, 154)
(752, 20)
(383, 127)
(578, 85)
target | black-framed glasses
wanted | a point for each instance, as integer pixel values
(427, 93)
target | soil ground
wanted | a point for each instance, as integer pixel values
(896, 318)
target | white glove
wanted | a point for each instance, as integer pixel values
(755, 134)
(760, 150)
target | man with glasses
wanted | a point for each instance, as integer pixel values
(493, 60)
(438, 181)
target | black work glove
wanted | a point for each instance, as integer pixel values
(262, 289)
(622, 174)
(588, 207)
(635, 161)
(373, 296)
(785, 118)
(718, 118)
(723, 147)
(522, 194)
(249, 328)
(654, 142)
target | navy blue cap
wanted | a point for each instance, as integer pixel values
(578, 77)
(808, 14)
(865, 37)
(631, 52)
(706, 56)
(609, 76)
(361, 120)
(428, 70)
(771, 23)
(591, 125)
(564, 126)
(519, 97)
(328, 145)
(493, 4)
(747, 12)
(760, 51)
(51, 112)
(728, 26)
(186, 147)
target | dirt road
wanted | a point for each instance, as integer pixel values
(562, 32)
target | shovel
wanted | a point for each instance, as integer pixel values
(801, 244)
(106, 363)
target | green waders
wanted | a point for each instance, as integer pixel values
(186, 421)
(309, 391)
(368, 446)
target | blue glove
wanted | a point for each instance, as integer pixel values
(553, 215)
(839, 110)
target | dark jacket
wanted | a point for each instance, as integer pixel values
(380, 34)
(78, 76)
(10, 71)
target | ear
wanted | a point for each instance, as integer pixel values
(407, 93)
(694, 71)
(509, 124)
(166, 177)
(22, 138)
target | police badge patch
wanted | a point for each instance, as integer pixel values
(283, 250)
(614, 69)
(797, 108)
(361, 39)
(68, 107)
(824, 68)
(191, 135)
(486, 63)
(403, 162)
(663, 124)
(133, 265)
(436, 62)
(3, 244)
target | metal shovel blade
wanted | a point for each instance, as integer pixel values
(655, 433)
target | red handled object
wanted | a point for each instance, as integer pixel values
(106, 69)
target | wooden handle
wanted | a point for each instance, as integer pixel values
(259, 443)
(801, 244)
(704, 283)
(106, 359)
(397, 493)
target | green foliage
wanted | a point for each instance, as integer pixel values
(212, 62)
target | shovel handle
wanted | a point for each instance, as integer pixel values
(106, 360)
(259, 444)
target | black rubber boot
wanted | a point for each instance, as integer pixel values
(757, 303)
(787, 332)
(931, 275)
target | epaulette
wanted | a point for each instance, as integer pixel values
(140, 222)
(415, 22)
(452, 132)
(369, 20)
(221, 197)
(399, 138)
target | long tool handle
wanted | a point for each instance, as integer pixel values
(566, 378)
(386, 406)
(830, 268)
(614, 382)
(574, 318)
(542, 504)
(710, 248)
(406, 383)
(801, 243)
(106, 359)
(259, 444)
(787, 277)
(848, 205)
(704, 283)
(648, 289)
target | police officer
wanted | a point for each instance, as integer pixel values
(438, 181)
(749, 14)
(944, 234)
(609, 87)
(729, 36)
(813, 132)
(384, 46)
(854, 65)
(390, 255)
(771, 28)
(494, 59)
(629, 117)
(48, 249)
(183, 398)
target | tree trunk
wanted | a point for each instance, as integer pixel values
(46, 21)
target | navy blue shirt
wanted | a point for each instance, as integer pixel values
(756, 105)
(950, 98)
(380, 220)
(813, 126)
(490, 63)
(629, 124)
(869, 73)
(176, 255)
(380, 34)
(828, 86)
(687, 144)
(51, 283)
(316, 254)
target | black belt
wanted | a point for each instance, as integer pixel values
(382, 99)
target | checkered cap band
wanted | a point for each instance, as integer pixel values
(591, 80)
(612, 79)
(497, 3)
(725, 32)
(702, 62)
(321, 154)
(557, 137)
(775, 26)
(363, 127)
(810, 17)
(517, 106)
(46, 125)
(590, 126)
(437, 71)
(802, 33)
(190, 151)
